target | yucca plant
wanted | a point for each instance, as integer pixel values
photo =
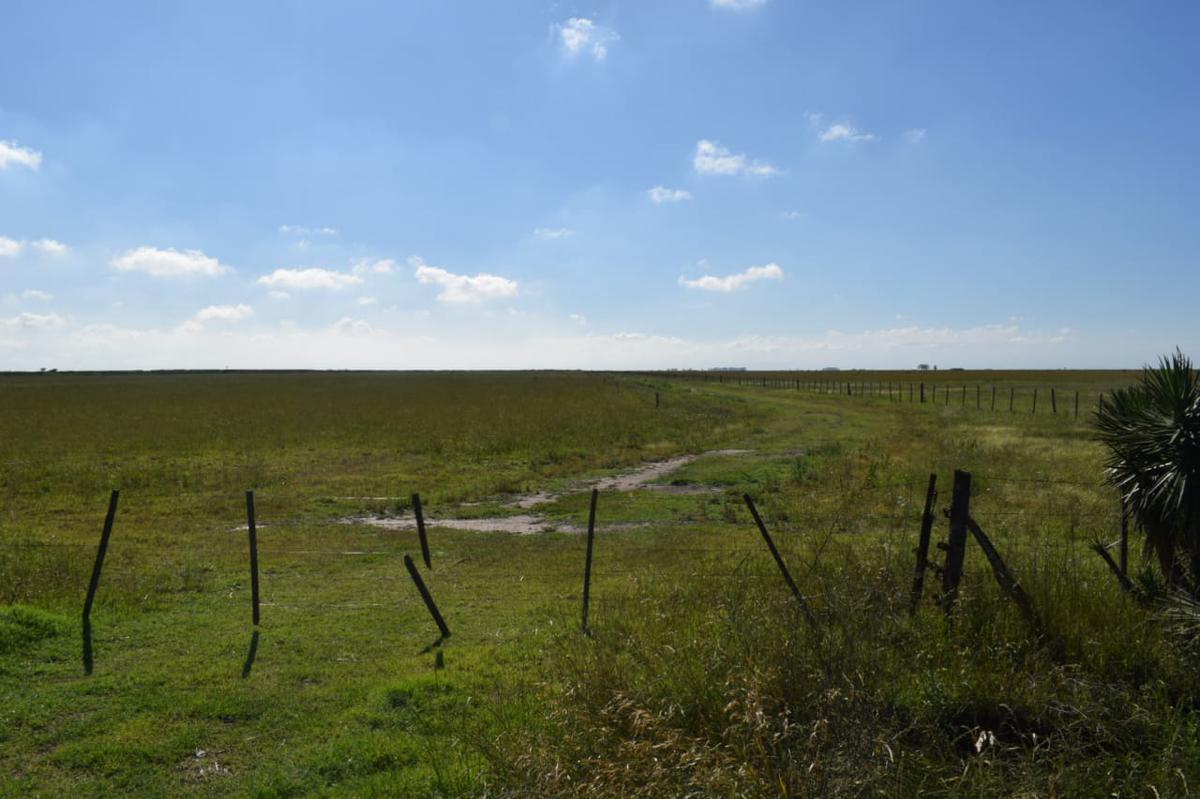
(1152, 430)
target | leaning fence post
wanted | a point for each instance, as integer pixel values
(1004, 577)
(960, 510)
(421, 534)
(94, 583)
(787, 576)
(587, 563)
(425, 595)
(923, 544)
(253, 535)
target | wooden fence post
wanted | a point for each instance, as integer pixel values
(1076, 404)
(1035, 401)
(587, 564)
(787, 576)
(94, 583)
(426, 596)
(922, 393)
(1004, 577)
(1053, 402)
(963, 403)
(252, 530)
(421, 535)
(960, 511)
(923, 545)
(978, 389)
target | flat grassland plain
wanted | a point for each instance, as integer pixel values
(700, 676)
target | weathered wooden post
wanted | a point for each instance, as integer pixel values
(94, 583)
(426, 596)
(960, 512)
(587, 564)
(252, 530)
(923, 545)
(787, 576)
(422, 537)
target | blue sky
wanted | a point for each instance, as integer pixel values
(782, 183)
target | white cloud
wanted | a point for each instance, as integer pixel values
(384, 266)
(275, 294)
(792, 215)
(844, 131)
(713, 159)
(730, 283)
(661, 194)
(224, 313)
(553, 232)
(169, 263)
(738, 5)
(581, 35)
(34, 321)
(310, 278)
(915, 136)
(10, 247)
(49, 246)
(37, 294)
(461, 288)
(367, 301)
(579, 319)
(13, 153)
(351, 326)
(301, 230)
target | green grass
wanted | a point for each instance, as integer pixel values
(700, 677)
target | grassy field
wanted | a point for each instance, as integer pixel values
(700, 677)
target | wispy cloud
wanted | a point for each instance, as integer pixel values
(169, 263)
(301, 230)
(367, 301)
(915, 136)
(729, 283)
(463, 288)
(13, 154)
(713, 159)
(661, 194)
(738, 5)
(10, 247)
(308, 278)
(553, 232)
(580, 35)
(383, 266)
(34, 321)
(837, 131)
(37, 294)
(224, 313)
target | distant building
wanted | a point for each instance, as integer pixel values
(922, 367)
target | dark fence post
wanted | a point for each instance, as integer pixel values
(787, 576)
(94, 583)
(425, 595)
(1012, 392)
(923, 545)
(993, 398)
(587, 564)
(1053, 401)
(1076, 404)
(922, 394)
(1004, 577)
(421, 534)
(253, 535)
(960, 511)
(1035, 400)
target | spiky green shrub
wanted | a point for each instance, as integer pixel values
(1152, 431)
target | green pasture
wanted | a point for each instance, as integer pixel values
(700, 677)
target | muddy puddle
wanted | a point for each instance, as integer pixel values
(641, 478)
